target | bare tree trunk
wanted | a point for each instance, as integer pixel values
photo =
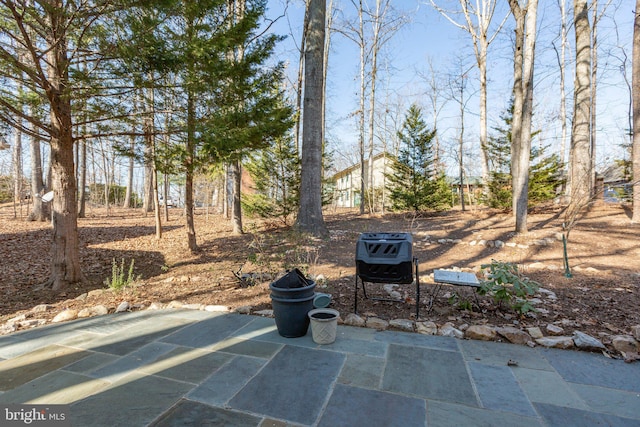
(636, 114)
(236, 217)
(525, 38)
(17, 172)
(189, 161)
(361, 112)
(376, 45)
(154, 188)
(129, 192)
(39, 211)
(562, 64)
(228, 191)
(237, 7)
(303, 41)
(65, 253)
(82, 194)
(594, 92)
(482, 12)
(149, 150)
(581, 166)
(310, 218)
(461, 142)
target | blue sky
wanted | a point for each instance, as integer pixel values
(430, 36)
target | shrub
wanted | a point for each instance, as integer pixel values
(118, 281)
(506, 285)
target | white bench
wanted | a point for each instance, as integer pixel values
(456, 278)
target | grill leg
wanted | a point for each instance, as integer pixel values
(415, 261)
(355, 297)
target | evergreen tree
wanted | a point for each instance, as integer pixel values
(276, 179)
(412, 184)
(545, 173)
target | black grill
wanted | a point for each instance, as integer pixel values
(385, 258)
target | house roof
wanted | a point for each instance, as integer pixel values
(356, 166)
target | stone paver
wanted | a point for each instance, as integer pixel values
(188, 367)
(293, 386)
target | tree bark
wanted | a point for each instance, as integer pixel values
(82, 194)
(149, 141)
(189, 165)
(363, 181)
(482, 12)
(39, 211)
(562, 63)
(236, 217)
(129, 192)
(65, 254)
(303, 41)
(310, 219)
(524, 55)
(581, 166)
(636, 114)
(17, 172)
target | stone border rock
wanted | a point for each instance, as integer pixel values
(556, 337)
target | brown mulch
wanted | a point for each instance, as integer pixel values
(601, 299)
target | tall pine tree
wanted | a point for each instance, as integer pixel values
(545, 173)
(413, 184)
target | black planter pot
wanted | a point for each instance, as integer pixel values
(291, 315)
(291, 299)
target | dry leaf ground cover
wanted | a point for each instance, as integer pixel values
(602, 298)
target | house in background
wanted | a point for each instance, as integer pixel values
(347, 182)
(614, 184)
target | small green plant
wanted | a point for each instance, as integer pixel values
(118, 280)
(458, 301)
(506, 285)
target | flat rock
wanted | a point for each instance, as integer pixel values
(17, 319)
(549, 294)
(216, 308)
(123, 306)
(377, 323)
(353, 319)
(65, 315)
(193, 306)
(32, 323)
(625, 344)
(8, 328)
(175, 304)
(514, 335)
(536, 266)
(426, 328)
(264, 313)
(554, 329)
(245, 309)
(535, 332)
(480, 332)
(155, 306)
(99, 310)
(587, 342)
(556, 342)
(448, 330)
(635, 330)
(95, 293)
(402, 324)
(41, 308)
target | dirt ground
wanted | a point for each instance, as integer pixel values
(601, 299)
